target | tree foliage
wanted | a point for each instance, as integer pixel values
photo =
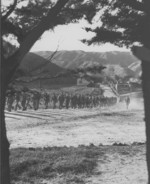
(124, 23)
(23, 22)
(20, 17)
(127, 23)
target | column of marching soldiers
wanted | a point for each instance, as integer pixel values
(21, 100)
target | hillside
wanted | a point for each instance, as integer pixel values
(34, 67)
(33, 64)
(122, 61)
(37, 65)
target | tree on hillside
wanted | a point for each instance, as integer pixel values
(23, 22)
(127, 23)
(89, 73)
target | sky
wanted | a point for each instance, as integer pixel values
(68, 37)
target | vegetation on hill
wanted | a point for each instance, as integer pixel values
(72, 59)
(38, 65)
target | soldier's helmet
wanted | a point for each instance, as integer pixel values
(8, 94)
(25, 89)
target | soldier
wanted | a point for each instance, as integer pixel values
(82, 101)
(71, 101)
(94, 101)
(102, 99)
(28, 101)
(23, 101)
(67, 101)
(17, 100)
(34, 100)
(106, 101)
(90, 101)
(127, 101)
(54, 100)
(61, 100)
(46, 100)
(10, 100)
(97, 101)
(87, 101)
(78, 101)
(74, 101)
(38, 97)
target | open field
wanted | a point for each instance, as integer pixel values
(60, 143)
(74, 127)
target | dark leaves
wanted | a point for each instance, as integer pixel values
(123, 24)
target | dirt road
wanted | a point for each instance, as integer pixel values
(44, 128)
(47, 128)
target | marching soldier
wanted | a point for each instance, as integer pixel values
(46, 100)
(28, 101)
(71, 101)
(78, 101)
(17, 101)
(127, 101)
(87, 101)
(23, 101)
(61, 100)
(54, 100)
(82, 101)
(67, 101)
(10, 100)
(38, 97)
(74, 101)
(36, 100)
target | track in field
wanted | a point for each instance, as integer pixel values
(53, 114)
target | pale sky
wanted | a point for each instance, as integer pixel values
(68, 38)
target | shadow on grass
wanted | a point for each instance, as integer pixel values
(64, 165)
(28, 165)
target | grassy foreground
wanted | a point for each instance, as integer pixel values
(62, 165)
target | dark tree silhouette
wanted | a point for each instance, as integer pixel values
(127, 23)
(25, 22)
(89, 73)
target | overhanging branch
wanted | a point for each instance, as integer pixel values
(102, 36)
(8, 27)
(13, 62)
(12, 7)
(134, 4)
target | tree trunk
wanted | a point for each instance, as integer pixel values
(46, 23)
(146, 95)
(8, 68)
(146, 81)
(5, 172)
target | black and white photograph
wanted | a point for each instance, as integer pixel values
(75, 92)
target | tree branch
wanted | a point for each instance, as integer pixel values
(139, 6)
(12, 7)
(66, 73)
(53, 54)
(13, 62)
(8, 27)
(49, 59)
(36, 32)
(102, 36)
